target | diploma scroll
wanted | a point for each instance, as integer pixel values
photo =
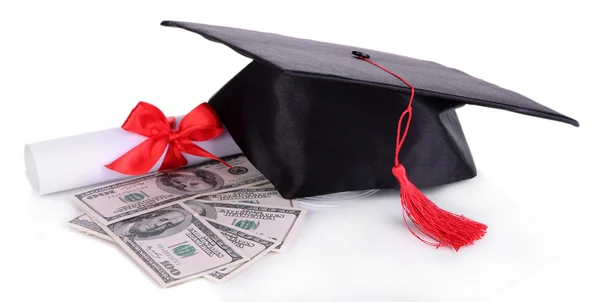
(78, 161)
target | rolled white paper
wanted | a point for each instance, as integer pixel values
(78, 161)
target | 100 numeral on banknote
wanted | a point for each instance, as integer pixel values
(112, 203)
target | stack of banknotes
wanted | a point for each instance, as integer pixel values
(206, 220)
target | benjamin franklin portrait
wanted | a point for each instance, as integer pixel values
(203, 209)
(157, 224)
(189, 182)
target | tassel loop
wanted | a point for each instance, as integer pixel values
(400, 172)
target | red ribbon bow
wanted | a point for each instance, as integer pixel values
(201, 124)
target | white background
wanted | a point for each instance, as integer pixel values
(68, 67)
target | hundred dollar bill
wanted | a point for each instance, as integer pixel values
(122, 200)
(85, 224)
(268, 196)
(252, 245)
(278, 223)
(172, 245)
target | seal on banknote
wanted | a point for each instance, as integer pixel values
(238, 170)
(189, 182)
(157, 224)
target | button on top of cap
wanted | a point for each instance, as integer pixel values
(360, 54)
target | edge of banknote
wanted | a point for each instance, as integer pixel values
(83, 223)
(222, 275)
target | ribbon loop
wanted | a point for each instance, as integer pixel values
(201, 124)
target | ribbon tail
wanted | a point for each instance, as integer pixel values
(140, 159)
(173, 158)
(189, 147)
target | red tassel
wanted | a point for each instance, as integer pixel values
(445, 228)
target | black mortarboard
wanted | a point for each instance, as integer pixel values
(316, 118)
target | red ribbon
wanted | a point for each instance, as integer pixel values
(201, 124)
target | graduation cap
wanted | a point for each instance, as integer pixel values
(318, 118)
